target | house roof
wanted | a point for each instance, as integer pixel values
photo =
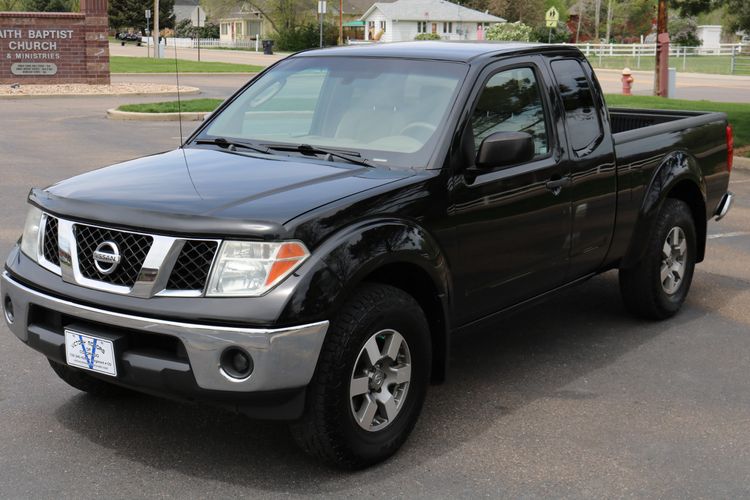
(184, 11)
(353, 7)
(243, 11)
(430, 10)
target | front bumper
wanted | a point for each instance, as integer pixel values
(283, 358)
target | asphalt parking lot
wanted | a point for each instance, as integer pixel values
(572, 398)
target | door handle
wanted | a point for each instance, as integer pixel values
(556, 185)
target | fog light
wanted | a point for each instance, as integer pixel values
(236, 363)
(8, 307)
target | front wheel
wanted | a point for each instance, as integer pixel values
(371, 380)
(658, 285)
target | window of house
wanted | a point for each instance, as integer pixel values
(224, 28)
(382, 26)
(511, 102)
(421, 26)
(238, 29)
(448, 27)
(581, 117)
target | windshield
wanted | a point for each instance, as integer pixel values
(387, 110)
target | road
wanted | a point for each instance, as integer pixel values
(723, 88)
(572, 398)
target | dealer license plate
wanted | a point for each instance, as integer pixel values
(90, 353)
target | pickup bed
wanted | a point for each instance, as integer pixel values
(309, 251)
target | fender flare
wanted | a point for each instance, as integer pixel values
(677, 168)
(353, 254)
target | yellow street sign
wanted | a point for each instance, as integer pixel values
(552, 15)
(552, 24)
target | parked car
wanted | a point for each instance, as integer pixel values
(129, 37)
(309, 252)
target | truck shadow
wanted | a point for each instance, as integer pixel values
(544, 349)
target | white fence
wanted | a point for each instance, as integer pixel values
(649, 49)
(734, 55)
(208, 43)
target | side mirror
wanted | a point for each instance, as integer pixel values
(505, 148)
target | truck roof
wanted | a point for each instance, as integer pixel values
(448, 51)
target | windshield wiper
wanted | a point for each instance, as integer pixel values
(233, 145)
(309, 150)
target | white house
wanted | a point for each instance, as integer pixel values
(402, 20)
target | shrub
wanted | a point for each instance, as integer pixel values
(305, 36)
(427, 36)
(561, 34)
(509, 32)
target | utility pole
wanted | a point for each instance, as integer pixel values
(596, 19)
(156, 29)
(580, 17)
(661, 68)
(341, 22)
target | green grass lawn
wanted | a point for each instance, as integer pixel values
(188, 105)
(121, 64)
(691, 64)
(738, 113)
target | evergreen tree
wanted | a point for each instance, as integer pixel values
(125, 14)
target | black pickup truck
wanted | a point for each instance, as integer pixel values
(311, 249)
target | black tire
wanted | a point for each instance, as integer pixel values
(328, 430)
(86, 383)
(641, 286)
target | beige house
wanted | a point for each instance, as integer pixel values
(243, 23)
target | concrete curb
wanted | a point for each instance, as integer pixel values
(187, 91)
(114, 114)
(741, 162)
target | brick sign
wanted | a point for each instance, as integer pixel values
(55, 47)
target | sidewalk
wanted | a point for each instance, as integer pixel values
(694, 86)
(212, 55)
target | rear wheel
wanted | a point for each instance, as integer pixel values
(371, 380)
(86, 383)
(658, 285)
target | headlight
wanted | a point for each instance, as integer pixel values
(30, 238)
(250, 268)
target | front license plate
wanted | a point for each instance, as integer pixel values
(90, 352)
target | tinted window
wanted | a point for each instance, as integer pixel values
(580, 113)
(511, 102)
(388, 110)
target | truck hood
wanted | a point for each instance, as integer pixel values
(209, 191)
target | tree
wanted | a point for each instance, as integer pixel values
(48, 5)
(738, 10)
(683, 31)
(631, 19)
(132, 13)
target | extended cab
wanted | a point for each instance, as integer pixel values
(311, 249)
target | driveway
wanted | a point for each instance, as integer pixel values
(572, 398)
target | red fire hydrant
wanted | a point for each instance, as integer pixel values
(627, 81)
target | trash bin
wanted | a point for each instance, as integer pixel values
(268, 47)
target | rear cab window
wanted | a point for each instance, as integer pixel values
(582, 120)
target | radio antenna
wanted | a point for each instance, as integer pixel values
(177, 77)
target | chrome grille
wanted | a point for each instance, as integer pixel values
(50, 243)
(190, 272)
(133, 250)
